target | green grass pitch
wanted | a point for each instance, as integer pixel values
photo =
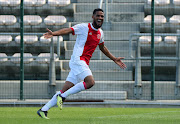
(76, 115)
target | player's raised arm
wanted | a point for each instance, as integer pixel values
(63, 31)
(117, 60)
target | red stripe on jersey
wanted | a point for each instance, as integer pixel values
(92, 41)
(72, 30)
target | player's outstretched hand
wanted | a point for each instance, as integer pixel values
(48, 34)
(120, 63)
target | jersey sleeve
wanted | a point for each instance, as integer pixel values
(78, 29)
(102, 38)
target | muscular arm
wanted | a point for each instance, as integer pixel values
(63, 31)
(117, 60)
(105, 50)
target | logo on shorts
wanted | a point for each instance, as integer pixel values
(98, 36)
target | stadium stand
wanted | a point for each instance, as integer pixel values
(28, 39)
(164, 46)
(169, 12)
(113, 16)
(174, 23)
(55, 20)
(168, 9)
(112, 7)
(34, 44)
(159, 2)
(125, 18)
(171, 39)
(59, 3)
(45, 58)
(176, 2)
(44, 40)
(5, 39)
(158, 19)
(147, 39)
(3, 57)
(10, 3)
(47, 41)
(167, 22)
(175, 19)
(27, 58)
(32, 20)
(7, 19)
(34, 3)
(114, 1)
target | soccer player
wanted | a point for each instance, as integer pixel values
(89, 36)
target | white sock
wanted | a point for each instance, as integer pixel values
(75, 89)
(51, 103)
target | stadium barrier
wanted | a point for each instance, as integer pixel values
(139, 58)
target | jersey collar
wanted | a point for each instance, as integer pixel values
(93, 27)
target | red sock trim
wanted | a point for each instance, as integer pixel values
(61, 91)
(84, 85)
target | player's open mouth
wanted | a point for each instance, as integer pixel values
(99, 21)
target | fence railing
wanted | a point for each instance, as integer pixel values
(138, 58)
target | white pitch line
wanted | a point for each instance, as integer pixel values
(115, 116)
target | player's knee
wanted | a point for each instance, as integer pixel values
(90, 84)
(89, 80)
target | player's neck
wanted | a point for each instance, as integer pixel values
(94, 27)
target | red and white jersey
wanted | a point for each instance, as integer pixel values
(87, 40)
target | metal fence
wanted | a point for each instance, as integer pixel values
(126, 22)
(166, 66)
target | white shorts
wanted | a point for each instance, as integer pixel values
(79, 71)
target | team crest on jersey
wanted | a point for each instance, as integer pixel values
(98, 36)
(90, 33)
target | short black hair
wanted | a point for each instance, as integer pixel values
(98, 9)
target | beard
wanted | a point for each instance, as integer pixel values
(95, 24)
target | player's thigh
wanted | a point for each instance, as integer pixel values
(83, 75)
(72, 78)
(67, 86)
